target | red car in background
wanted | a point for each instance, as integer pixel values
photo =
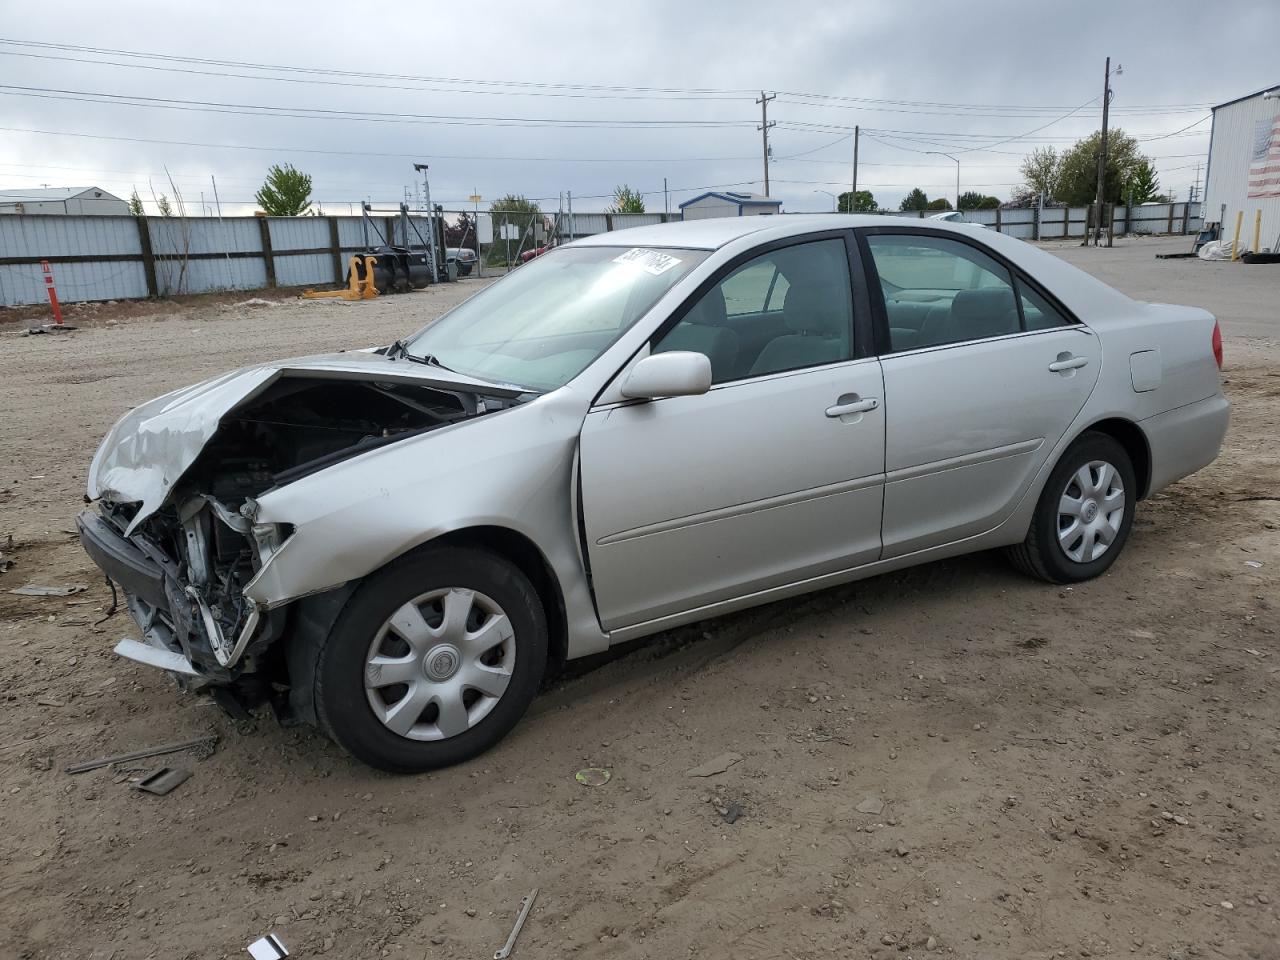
(535, 252)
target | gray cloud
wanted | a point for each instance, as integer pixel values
(998, 53)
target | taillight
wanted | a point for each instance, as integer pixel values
(1217, 344)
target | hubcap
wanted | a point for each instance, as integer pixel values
(439, 664)
(1091, 511)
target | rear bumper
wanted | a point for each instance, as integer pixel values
(1185, 439)
(120, 560)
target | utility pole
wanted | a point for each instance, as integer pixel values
(1102, 157)
(765, 124)
(666, 198)
(853, 187)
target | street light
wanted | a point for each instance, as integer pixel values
(834, 203)
(939, 153)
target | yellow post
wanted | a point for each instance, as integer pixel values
(1235, 243)
(1257, 231)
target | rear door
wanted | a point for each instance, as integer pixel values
(983, 372)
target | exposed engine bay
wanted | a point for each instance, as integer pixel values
(184, 568)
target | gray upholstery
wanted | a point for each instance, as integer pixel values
(818, 317)
(702, 331)
(974, 315)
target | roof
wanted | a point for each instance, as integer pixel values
(36, 194)
(733, 196)
(1248, 96)
(716, 232)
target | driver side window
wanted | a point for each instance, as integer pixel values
(785, 310)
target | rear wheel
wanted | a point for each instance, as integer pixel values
(1084, 514)
(432, 661)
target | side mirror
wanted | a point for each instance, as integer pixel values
(679, 373)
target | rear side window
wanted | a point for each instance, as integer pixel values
(939, 291)
(1037, 312)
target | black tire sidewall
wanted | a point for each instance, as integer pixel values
(341, 702)
(1089, 447)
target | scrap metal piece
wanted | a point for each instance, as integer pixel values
(162, 780)
(39, 590)
(525, 906)
(208, 739)
(154, 656)
(269, 947)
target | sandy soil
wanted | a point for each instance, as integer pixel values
(951, 760)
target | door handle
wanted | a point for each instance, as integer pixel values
(1066, 361)
(853, 406)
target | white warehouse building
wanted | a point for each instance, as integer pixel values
(64, 201)
(1243, 179)
(728, 203)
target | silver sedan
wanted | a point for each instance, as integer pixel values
(636, 431)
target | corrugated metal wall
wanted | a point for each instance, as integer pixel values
(1230, 150)
(1057, 223)
(42, 236)
(199, 255)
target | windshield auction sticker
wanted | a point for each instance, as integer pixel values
(651, 261)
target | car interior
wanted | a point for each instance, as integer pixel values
(787, 309)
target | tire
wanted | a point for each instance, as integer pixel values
(359, 700)
(1057, 551)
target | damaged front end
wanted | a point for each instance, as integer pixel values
(176, 481)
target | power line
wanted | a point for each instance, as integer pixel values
(418, 155)
(370, 116)
(528, 88)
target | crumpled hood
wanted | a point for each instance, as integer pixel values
(150, 448)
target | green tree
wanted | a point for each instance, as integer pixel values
(1078, 170)
(1040, 169)
(626, 200)
(1142, 185)
(285, 193)
(942, 203)
(917, 199)
(863, 202)
(972, 200)
(166, 208)
(520, 212)
(135, 204)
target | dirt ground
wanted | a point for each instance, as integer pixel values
(950, 761)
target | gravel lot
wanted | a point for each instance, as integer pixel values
(950, 760)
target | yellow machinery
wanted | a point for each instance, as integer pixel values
(358, 287)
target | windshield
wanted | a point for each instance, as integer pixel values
(546, 322)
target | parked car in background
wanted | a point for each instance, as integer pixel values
(536, 252)
(639, 430)
(465, 257)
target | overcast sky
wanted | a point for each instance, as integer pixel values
(959, 78)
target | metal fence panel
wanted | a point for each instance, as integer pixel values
(24, 283)
(298, 233)
(304, 270)
(206, 276)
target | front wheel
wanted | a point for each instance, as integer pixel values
(1084, 514)
(432, 661)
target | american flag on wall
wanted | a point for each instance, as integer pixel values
(1264, 165)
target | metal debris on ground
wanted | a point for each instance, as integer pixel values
(525, 906)
(715, 765)
(162, 780)
(40, 590)
(593, 776)
(269, 947)
(207, 741)
(731, 811)
(49, 328)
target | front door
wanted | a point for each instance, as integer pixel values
(773, 476)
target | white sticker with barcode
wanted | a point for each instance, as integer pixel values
(651, 261)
